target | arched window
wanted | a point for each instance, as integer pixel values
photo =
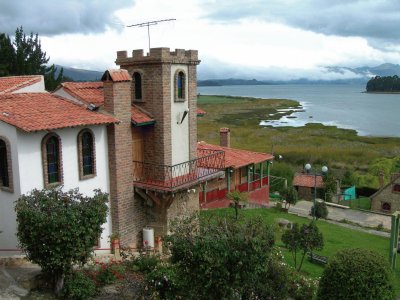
(86, 149)
(5, 165)
(137, 79)
(51, 153)
(180, 86)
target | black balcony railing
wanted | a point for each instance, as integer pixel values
(208, 163)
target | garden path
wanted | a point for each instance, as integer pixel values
(337, 215)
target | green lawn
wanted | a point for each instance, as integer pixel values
(336, 237)
(359, 203)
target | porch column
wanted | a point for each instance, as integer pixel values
(228, 179)
(261, 174)
(248, 178)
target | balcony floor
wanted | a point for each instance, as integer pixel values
(182, 182)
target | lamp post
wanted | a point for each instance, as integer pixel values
(324, 170)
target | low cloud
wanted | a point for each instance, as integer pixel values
(213, 69)
(49, 17)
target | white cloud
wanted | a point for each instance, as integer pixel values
(264, 40)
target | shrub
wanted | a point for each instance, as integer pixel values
(145, 262)
(321, 211)
(57, 229)
(356, 274)
(301, 287)
(221, 258)
(106, 273)
(164, 282)
(78, 286)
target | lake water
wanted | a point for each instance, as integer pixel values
(345, 106)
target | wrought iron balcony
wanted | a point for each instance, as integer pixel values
(208, 164)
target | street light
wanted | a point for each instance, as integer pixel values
(324, 170)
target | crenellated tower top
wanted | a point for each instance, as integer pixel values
(158, 55)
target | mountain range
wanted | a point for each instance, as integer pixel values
(361, 75)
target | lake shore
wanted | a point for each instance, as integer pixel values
(341, 149)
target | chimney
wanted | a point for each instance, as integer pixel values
(381, 179)
(225, 137)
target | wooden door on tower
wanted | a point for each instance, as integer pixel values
(137, 152)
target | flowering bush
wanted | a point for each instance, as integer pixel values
(164, 282)
(106, 273)
(301, 287)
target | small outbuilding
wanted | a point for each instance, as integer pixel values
(387, 198)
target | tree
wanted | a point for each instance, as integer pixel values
(225, 259)
(237, 197)
(24, 56)
(306, 239)
(356, 274)
(349, 179)
(290, 195)
(292, 240)
(51, 79)
(58, 229)
(330, 186)
(321, 211)
(7, 55)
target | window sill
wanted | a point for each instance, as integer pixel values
(138, 101)
(6, 189)
(179, 100)
(85, 177)
(52, 185)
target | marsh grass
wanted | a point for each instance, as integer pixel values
(341, 149)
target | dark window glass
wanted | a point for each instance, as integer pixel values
(52, 151)
(181, 85)
(386, 206)
(87, 153)
(396, 188)
(4, 180)
(138, 85)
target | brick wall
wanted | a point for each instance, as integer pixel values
(127, 212)
(387, 195)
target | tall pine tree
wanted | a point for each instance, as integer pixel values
(24, 56)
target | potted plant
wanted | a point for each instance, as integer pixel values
(114, 239)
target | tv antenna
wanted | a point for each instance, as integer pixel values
(148, 24)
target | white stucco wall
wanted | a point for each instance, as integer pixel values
(31, 171)
(179, 132)
(61, 92)
(37, 87)
(8, 223)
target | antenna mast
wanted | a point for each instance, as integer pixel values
(148, 24)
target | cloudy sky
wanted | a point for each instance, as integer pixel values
(263, 39)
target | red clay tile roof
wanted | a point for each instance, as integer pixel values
(116, 75)
(90, 92)
(13, 83)
(307, 180)
(43, 111)
(93, 92)
(140, 117)
(200, 112)
(237, 158)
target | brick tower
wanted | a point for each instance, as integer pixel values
(168, 91)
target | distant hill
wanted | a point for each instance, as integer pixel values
(381, 70)
(81, 74)
(365, 73)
